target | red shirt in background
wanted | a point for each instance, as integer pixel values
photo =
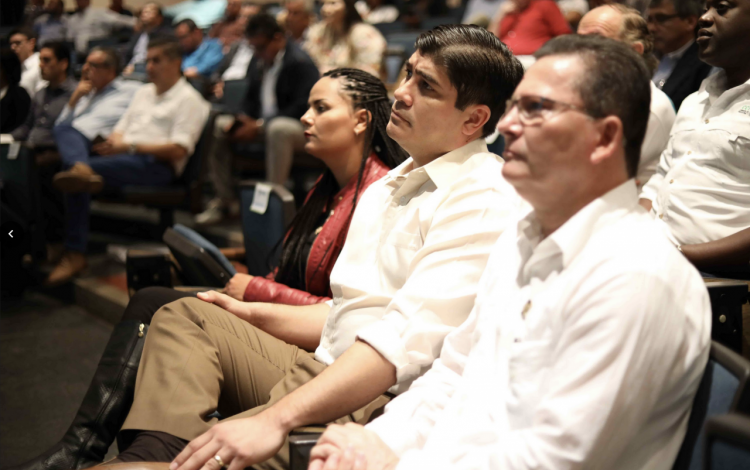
(526, 31)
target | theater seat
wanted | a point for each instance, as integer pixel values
(723, 389)
(185, 193)
(727, 442)
(137, 466)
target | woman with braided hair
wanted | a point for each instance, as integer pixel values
(345, 128)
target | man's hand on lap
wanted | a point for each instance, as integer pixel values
(351, 447)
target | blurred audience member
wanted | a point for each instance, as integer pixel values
(32, 11)
(673, 24)
(151, 21)
(53, 25)
(14, 99)
(342, 39)
(204, 12)
(525, 25)
(280, 77)
(481, 12)
(48, 103)
(248, 10)
(296, 18)
(626, 24)
(23, 43)
(573, 11)
(150, 145)
(700, 193)
(233, 66)
(117, 7)
(201, 55)
(229, 29)
(377, 11)
(88, 23)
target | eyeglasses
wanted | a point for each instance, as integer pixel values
(96, 65)
(17, 43)
(534, 110)
(660, 18)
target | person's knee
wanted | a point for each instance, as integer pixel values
(190, 308)
(282, 128)
(145, 303)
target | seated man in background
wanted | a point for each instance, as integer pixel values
(96, 105)
(406, 276)
(52, 25)
(151, 23)
(150, 145)
(201, 55)
(89, 23)
(626, 25)
(48, 103)
(296, 18)
(23, 43)
(280, 77)
(673, 24)
(700, 193)
(229, 29)
(563, 362)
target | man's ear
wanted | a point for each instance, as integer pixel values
(610, 140)
(638, 47)
(477, 117)
(362, 117)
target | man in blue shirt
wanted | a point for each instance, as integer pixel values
(202, 56)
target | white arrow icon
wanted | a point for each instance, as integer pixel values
(11, 234)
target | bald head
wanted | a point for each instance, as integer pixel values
(604, 21)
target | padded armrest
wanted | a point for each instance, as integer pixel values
(301, 442)
(233, 254)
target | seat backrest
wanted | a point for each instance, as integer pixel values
(723, 388)
(390, 28)
(198, 268)
(234, 95)
(404, 40)
(728, 442)
(210, 248)
(197, 165)
(263, 231)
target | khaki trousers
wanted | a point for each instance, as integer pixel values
(198, 358)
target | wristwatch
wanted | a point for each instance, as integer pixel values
(132, 149)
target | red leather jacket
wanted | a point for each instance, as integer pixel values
(322, 258)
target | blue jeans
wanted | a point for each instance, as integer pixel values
(117, 171)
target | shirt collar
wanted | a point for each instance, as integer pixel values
(29, 62)
(677, 55)
(446, 168)
(716, 85)
(573, 235)
(174, 90)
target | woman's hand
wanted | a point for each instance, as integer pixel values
(242, 310)
(237, 286)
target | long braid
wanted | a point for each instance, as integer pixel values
(366, 92)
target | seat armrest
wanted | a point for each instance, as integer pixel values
(301, 442)
(196, 289)
(233, 254)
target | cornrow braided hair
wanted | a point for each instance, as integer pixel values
(366, 92)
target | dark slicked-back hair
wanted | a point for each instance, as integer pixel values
(191, 26)
(613, 82)
(264, 25)
(169, 46)
(60, 50)
(479, 66)
(365, 92)
(111, 57)
(25, 31)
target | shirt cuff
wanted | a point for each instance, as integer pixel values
(387, 341)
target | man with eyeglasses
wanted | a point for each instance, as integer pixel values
(680, 71)
(23, 42)
(564, 361)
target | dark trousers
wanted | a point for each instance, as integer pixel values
(117, 171)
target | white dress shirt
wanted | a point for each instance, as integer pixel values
(95, 23)
(660, 122)
(269, 105)
(31, 75)
(667, 65)
(416, 248)
(176, 116)
(237, 69)
(701, 189)
(584, 351)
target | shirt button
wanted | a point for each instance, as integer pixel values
(690, 152)
(671, 181)
(526, 309)
(706, 121)
(661, 216)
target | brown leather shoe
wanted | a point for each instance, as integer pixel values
(55, 252)
(72, 263)
(79, 179)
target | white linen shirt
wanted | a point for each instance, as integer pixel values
(660, 121)
(176, 116)
(31, 75)
(95, 23)
(417, 245)
(584, 351)
(701, 189)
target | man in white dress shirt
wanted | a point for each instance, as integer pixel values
(700, 194)
(590, 332)
(149, 146)
(407, 275)
(625, 24)
(23, 42)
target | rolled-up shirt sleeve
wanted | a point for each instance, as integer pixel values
(189, 123)
(442, 279)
